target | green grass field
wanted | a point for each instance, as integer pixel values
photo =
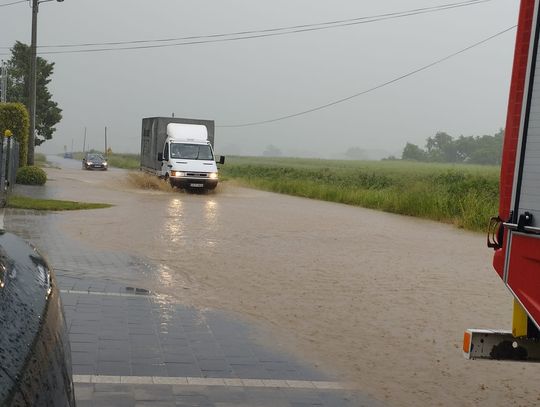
(127, 161)
(465, 195)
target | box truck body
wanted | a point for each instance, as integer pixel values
(180, 150)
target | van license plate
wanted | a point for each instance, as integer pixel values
(196, 185)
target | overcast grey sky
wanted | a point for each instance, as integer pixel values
(257, 79)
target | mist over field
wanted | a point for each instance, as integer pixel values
(257, 79)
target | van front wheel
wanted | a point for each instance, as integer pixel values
(172, 181)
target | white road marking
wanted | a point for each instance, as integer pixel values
(207, 381)
(1, 218)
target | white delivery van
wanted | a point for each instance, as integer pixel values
(181, 151)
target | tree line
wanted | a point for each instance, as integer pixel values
(446, 149)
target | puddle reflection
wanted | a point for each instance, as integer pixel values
(211, 216)
(166, 311)
(175, 221)
(212, 219)
(165, 276)
(197, 221)
(211, 211)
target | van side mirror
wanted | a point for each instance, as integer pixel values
(160, 156)
(221, 159)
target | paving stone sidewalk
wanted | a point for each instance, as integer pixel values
(131, 347)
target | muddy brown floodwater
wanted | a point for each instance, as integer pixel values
(382, 299)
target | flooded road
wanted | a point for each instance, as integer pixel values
(379, 298)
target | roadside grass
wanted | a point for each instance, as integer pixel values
(127, 161)
(40, 159)
(143, 180)
(23, 202)
(465, 195)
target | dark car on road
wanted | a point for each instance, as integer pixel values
(93, 161)
(35, 356)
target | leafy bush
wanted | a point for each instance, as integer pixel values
(31, 175)
(14, 117)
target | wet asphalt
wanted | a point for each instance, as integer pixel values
(135, 347)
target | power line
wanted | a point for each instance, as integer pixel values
(276, 31)
(382, 85)
(243, 35)
(12, 3)
(249, 32)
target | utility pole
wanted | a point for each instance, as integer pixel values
(105, 141)
(84, 141)
(32, 95)
(3, 82)
(33, 79)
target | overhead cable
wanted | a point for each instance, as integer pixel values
(294, 27)
(244, 35)
(13, 2)
(382, 85)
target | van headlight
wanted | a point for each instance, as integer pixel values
(212, 175)
(178, 174)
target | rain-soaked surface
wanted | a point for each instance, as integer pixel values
(35, 358)
(379, 298)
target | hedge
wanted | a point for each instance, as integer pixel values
(31, 175)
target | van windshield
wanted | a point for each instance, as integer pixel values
(191, 151)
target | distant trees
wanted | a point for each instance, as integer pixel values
(412, 152)
(471, 149)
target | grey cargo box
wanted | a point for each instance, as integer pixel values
(154, 134)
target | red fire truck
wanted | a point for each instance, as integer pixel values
(515, 233)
